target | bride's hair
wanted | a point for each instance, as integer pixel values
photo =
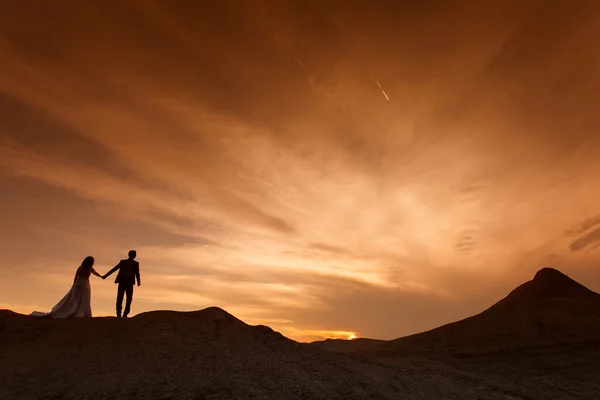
(88, 262)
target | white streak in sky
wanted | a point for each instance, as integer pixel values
(383, 91)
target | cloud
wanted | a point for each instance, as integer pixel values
(586, 241)
(586, 233)
(585, 226)
(467, 241)
(336, 250)
(247, 153)
(33, 129)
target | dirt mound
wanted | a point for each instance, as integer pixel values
(206, 354)
(210, 354)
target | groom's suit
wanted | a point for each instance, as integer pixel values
(129, 271)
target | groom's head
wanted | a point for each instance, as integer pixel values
(132, 254)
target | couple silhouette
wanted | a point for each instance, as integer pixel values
(77, 302)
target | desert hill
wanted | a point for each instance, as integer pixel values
(540, 342)
(543, 337)
(549, 310)
(347, 345)
(208, 354)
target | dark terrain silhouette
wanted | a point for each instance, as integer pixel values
(550, 309)
(540, 342)
(206, 354)
(346, 345)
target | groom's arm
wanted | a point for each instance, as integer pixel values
(112, 270)
(137, 274)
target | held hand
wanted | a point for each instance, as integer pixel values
(103, 277)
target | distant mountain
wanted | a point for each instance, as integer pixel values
(347, 346)
(550, 309)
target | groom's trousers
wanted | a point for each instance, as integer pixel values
(127, 289)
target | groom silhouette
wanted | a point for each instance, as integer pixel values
(129, 271)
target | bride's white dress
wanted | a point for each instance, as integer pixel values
(76, 303)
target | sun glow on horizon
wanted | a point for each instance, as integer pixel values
(308, 335)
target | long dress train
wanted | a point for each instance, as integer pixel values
(76, 303)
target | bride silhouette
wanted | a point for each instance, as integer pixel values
(77, 302)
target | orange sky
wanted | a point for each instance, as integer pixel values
(325, 169)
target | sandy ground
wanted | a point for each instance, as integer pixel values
(209, 354)
(540, 342)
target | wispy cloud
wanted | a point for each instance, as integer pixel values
(263, 171)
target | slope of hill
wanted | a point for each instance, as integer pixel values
(549, 310)
(540, 342)
(347, 346)
(543, 337)
(207, 354)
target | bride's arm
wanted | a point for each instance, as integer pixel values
(76, 274)
(95, 273)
